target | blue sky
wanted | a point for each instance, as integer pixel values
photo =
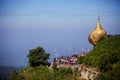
(60, 26)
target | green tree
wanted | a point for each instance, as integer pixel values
(38, 57)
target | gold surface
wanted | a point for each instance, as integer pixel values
(97, 33)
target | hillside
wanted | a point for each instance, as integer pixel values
(44, 73)
(106, 57)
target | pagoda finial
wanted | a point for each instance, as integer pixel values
(98, 18)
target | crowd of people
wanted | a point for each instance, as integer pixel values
(66, 60)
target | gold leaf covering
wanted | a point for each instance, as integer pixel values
(97, 33)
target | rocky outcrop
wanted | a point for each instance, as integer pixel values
(86, 73)
(83, 71)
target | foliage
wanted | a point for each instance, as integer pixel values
(15, 76)
(54, 66)
(76, 71)
(37, 71)
(43, 73)
(113, 74)
(80, 59)
(38, 56)
(105, 56)
(62, 74)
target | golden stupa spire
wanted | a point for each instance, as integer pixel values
(98, 24)
(98, 18)
(97, 33)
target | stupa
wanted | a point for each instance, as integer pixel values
(97, 33)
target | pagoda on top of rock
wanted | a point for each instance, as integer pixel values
(97, 33)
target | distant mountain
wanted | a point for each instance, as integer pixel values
(5, 71)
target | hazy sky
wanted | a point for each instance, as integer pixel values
(60, 26)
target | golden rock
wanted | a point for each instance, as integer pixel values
(97, 33)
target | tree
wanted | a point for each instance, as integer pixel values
(38, 57)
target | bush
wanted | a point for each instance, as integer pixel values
(15, 76)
